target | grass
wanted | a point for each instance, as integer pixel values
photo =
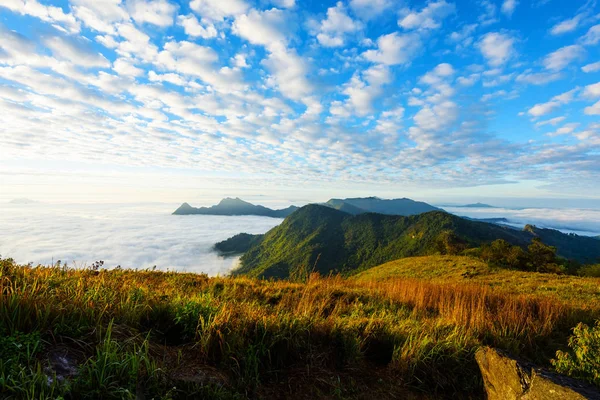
(164, 335)
(580, 292)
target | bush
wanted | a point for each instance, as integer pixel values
(592, 271)
(583, 361)
(502, 253)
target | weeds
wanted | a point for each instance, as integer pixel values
(169, 335)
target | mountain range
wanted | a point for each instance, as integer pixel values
(363, 205)
(323, 239)
(354, 206)
(237, 206)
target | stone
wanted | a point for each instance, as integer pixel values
(508, 378)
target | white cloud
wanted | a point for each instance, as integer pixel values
(336, 26)
(565, 129)
(594, 67)
(368, 9)
(219, 9)
(155, 12)
(100, 16)
(566, 26)
(539, 78)
(76, 52)
(284, 3)
(553, 122)
(394, 49)
(289, 72)
(126, 67)
(489, 14)
(240, 61)
(288, 69)
(468, 80)
(592, 37)
(593, 110)
(430, 17)
(564, 56)
(51, 14)
(509, 6)
(541, 109)
(363, 90)
(193, 28)
(170, 77)
(497, 48)
(265, 28)
(592, 91)
(438, 74)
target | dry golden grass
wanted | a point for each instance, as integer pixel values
(359, 335)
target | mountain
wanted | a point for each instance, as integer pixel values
(23, 201)
(229, 206)
(323, 239)
(237, 244)
(477, 205)
(363, 205)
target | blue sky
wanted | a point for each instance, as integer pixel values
(156, 99)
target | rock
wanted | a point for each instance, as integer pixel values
(507, 378)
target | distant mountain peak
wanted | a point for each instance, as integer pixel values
(361, 205)
(234, 206)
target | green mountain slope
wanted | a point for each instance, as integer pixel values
(229, 206)
(322, 239)
(362, 205)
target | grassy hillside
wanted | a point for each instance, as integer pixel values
(318, 238)
(578, 291)
(121, 334)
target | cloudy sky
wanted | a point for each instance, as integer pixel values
(174, 100)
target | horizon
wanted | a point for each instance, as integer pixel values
(177, 100)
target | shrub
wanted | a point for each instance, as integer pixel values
(583, 361)
(592, 271)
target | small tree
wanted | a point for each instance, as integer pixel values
(502, 253)
(450, 243)
(542, 258)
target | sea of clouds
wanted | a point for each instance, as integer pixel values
(145, 235)
(571, 220)
(133, 236)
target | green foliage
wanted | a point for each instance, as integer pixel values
(542, 258)
(324, 240)
(583, 361)
(503, 254)
(238, 244)
(449, 243)
(117, 369)
(589, 270)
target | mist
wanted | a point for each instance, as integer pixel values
(132, 236)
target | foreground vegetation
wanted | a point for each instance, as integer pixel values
(122, 334)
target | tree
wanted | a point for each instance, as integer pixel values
(502, 253)
(542, 258)
(448, 242)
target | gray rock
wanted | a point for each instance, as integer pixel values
(507, 378)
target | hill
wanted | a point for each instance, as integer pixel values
(361, 205)
(229, 206)
(330, 241)
(579, 291)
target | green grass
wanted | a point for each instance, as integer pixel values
(583, 292)
(165, 335)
